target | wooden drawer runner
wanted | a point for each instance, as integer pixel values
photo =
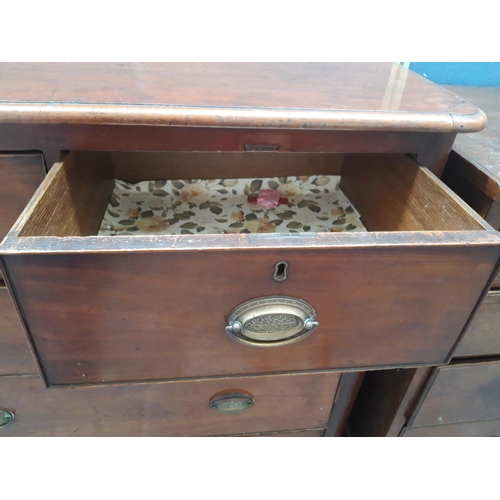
(103, 309)
(483, 336)
(15, 354)
(461, 393)
(282, 402)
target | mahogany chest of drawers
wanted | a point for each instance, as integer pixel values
(178, 324)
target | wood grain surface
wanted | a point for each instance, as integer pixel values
(483, 336)
(15, 354)
(73, 200)
(270, 95)
(461, 393)
(283, 402)
(98, 317)
(392, 193)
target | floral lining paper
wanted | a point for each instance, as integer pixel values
(307, 204)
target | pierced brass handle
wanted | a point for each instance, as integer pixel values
(232, 402)
(271, 321)
(6, 417)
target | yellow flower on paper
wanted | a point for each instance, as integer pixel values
(260, 226)
(194, 193)
(290, 190)
(240, 216)
(151, 225)
(133, 213)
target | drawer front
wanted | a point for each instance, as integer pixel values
(281, 402)
(469, 429)
(461, 393)
(483, 336)
(152, 316)
(20, 175)
(15, 354)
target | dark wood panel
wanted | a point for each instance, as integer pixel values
(483, 336)
(297, 401)
(385, 401)
(15, 354)
(469, 429)
(464, 173)
(140, 166)
(160, 315)
(273, 95)
(20, 176)
(350, 384)
(461, 393)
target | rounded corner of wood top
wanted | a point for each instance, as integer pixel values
(468, 118)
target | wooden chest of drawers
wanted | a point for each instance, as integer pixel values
(143, 320)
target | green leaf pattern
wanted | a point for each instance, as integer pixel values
(315, 204)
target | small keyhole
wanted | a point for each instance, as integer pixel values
(280, 269)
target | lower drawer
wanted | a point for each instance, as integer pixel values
(482, 338)
(15, 354)
(281, 402)
(461, 393)
(468, 429)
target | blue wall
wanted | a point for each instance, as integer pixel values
(463, 73)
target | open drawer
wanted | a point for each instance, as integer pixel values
(397, 287)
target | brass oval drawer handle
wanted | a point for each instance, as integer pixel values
(232, 402)
(271, 321)
(6, 417)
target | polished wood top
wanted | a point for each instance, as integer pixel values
(336, 96)
(483, 149)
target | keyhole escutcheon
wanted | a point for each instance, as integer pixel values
(280, 270)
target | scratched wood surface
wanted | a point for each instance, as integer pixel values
(346, 96)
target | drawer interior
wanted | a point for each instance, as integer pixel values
(164, 193)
